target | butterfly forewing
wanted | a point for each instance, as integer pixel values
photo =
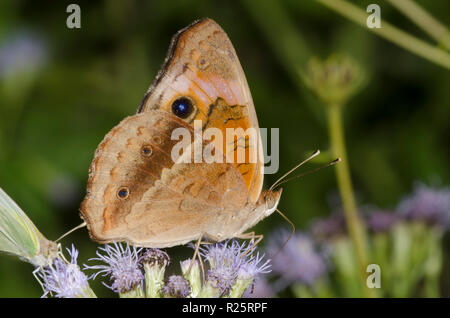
(203, 65)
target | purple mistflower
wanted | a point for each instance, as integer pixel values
(122, 264)
(177, 286)
(154, 256)
(299, 260)
(228, 262)
(225, 261)
(22, 51)
(330, 227)
(427, 204)
(65, 280)
(254, 266)
(381, 221)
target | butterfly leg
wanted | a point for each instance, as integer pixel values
(248, 236)
(255, 239)
(36, 270)
(196, 252)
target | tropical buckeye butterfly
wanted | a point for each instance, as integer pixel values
(137, 193)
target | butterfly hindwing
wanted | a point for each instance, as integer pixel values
(138, 193)
(128, 161)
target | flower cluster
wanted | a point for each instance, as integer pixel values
(329, 228)
(427, 204)
(138, 272)
(65, 279)
(23, 51)
(177, 287)
(233, 267)
(122, 265)
(299, 260)
(381, 221)
(305, 262)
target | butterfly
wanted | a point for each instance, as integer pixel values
(20, 237)
(137, 193)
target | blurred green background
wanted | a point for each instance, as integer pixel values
(71, 86)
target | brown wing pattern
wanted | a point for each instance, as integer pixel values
(202, 65)
(131, 158)
(163, 203)
(190, 200)
(138, 194)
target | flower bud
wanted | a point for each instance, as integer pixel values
(155, 262)
(334, 80)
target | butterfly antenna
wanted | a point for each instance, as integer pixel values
(72, 230)
(316, 153)
(331, 163)
(290, 236)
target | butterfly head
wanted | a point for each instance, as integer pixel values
(271, 200)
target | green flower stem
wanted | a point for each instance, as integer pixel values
(88, 293)
(137, 292)
(401, 267)
(239, 287)
(391, 33)
(154, 279)
(192, 276)
(433, 263)
(381, 254)
(319, 289)
(424, 20)
(208, 291)
(346, 268)
(302, 291)
(355, 226)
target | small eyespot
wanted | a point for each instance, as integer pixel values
(157, 140)
(202, 64)
(146, 150)
(123, 193)
(182, 107)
